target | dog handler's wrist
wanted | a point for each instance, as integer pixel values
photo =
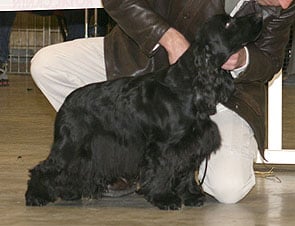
(236, 72)
(174, 43)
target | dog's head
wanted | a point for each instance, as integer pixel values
(222, 35)
(217, 40)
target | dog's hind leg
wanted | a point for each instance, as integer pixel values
(41, 187)
(51, 178)
(68, 172)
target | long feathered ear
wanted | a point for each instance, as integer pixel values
(211, 86)
(204, 96)
(224, 86)
(210, 90)
(202, 53)
(204, 49)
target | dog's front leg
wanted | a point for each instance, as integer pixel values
(156, 183)
(164, 199)
(189, 190)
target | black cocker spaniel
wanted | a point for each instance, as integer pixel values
(155, 129)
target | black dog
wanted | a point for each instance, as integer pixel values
(154, 128)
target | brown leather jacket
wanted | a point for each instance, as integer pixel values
(141, 23)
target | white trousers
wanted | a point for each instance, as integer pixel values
(230, 174)
(59, 69)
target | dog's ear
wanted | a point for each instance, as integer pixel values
(211, 48)
(204, 96)
(213, 87)
(224, 86)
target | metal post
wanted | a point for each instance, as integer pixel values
(86, 23)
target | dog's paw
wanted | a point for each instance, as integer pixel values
(195, 201)
(169, 206)
(38, 198)
(33, 201)
(167, 202)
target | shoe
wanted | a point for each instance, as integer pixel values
(3, 75)
(4, 82)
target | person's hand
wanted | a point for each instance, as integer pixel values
(174, 43)
(283, 3)
(236, 60)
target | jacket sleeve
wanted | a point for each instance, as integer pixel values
(139, 21)
(267, 53)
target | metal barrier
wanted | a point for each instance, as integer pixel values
(275, 154)
(29, 34)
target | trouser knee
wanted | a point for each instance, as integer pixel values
(230, 191)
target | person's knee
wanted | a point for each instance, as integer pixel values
(39, 61)
(41, 64)
(231, 191)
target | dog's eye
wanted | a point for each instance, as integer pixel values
(227, 25)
